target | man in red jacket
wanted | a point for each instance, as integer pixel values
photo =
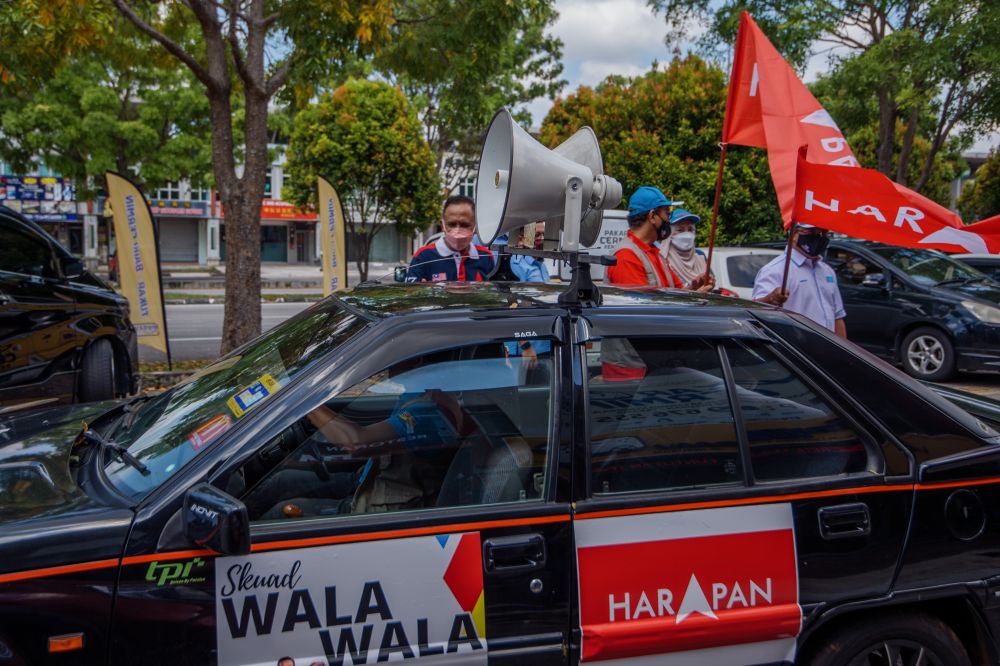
(639, 261)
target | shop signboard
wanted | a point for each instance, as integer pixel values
(176, 208)
(40, 198)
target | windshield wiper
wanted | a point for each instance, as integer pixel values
(961, 280)
(132, 408)
(93, 437)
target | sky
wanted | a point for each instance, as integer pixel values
(602, 37)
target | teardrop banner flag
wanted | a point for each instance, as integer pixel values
(138, 261)
(332, 238)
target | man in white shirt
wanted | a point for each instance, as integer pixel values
(812, 289)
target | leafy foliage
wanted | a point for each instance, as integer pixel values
(981, 198)
(663, 129)
(365, 138)
(120, 106)
(461, 61)
(931, 65)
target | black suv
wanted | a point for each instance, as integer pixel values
(64, 335)
(920, 308)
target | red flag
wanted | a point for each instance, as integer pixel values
(769, 107)
(865, 204)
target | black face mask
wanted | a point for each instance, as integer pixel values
(813, 245)
(663, 233)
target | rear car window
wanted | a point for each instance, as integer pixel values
(743, 268)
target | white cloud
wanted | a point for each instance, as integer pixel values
(593, 72)
(611, 30)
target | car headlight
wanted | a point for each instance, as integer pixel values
(983, 312)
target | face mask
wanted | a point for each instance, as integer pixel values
(683, 241)
(663, 233)
(813, 245)
(458, 238)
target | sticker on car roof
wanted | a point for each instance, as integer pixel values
(354, 603)
(252, 395)
(717, 584)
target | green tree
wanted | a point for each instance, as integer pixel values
(244, 52)
(117, 106)
(365, 138)
(461, 61)
(932, 65)
(981, 198)
(663, 129)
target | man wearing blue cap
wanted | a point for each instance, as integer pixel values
(812, 289)
(639, 260)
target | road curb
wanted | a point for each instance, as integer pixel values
(219, 300)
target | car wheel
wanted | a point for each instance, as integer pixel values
(927, 354)
(98, 372)
(903, 640)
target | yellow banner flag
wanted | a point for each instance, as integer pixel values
(332, 236)
(138, 264)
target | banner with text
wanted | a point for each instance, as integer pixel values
(354, 603)
(332, 238)
(138, 267)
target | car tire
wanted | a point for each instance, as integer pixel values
(98, 372)
(927, 353)
(898, 639)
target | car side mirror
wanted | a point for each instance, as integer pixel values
(874, 280)
(72, 267)
(215, 520)
(399, 275)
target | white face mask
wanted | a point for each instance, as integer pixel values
(683, 241)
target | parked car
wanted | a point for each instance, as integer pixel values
(987, 264)
(736, 267)
(64, 335)
(389, 475)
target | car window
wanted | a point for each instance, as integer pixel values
(850, 267)
(743, 268)
(465, 426)
(172, 428)
(660, 416)
(928, 267)
(793, 433)
(23, 253)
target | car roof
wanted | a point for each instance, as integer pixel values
(393, 299)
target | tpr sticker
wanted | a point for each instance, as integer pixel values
(209, 430)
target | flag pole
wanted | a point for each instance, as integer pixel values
(715, 210)
(788, 257)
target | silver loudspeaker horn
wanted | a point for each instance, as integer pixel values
(522, 181)
(583, 148)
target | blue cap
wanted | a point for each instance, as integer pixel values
(647, 198)
(681, 214)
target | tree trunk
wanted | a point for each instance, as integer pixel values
(907, 148)
(886, 131)
(241, 321)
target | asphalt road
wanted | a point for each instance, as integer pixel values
(195, 331)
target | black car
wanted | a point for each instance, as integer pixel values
(987, 264)
(64, 335)
(919, 308)
(458, 473)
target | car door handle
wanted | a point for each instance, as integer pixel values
(844, 521)
(514, 554)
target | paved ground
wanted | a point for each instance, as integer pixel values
(986, 385)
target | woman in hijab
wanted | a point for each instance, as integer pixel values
(679, 250)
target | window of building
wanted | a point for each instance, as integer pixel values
(267, 185)
(201, 193)
(466, 426)
(467, 188)
(169, 191)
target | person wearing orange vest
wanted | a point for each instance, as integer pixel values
(639, 260)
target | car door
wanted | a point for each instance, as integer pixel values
(729, 496)
(37, 310)
(447, 542)
(873, 316)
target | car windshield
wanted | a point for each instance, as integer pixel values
(928, 266)
(174, 427)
